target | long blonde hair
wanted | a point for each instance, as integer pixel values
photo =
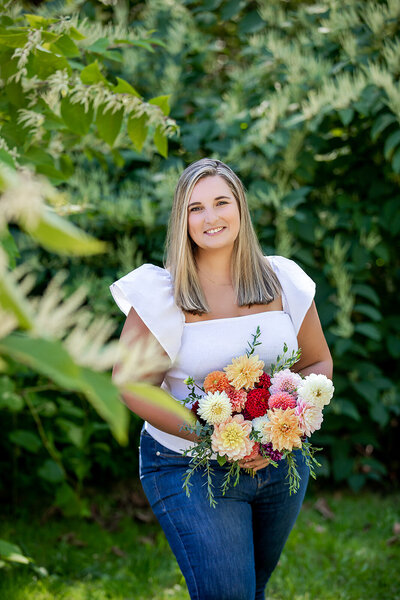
(253, 279)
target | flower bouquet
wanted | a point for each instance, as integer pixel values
(243, 412)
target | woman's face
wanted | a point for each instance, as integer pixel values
(213, 214)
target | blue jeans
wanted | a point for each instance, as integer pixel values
(227, 552)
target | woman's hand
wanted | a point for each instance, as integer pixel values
(257, 463)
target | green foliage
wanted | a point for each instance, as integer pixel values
(61, 92)
(302, 100)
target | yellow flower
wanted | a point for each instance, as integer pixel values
(244, 371)
(283, 429)
(231, 438)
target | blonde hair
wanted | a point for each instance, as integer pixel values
(253, 279)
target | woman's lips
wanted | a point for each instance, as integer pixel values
(214, 230)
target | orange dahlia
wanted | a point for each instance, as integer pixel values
(244, 371)
(216, 381)
(283, 429)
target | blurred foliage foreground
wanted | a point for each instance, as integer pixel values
(302, 99)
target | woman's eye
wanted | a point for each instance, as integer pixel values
(195, 208)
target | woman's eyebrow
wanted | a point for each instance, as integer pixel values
(217, 198)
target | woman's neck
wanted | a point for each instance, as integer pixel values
(215, 266)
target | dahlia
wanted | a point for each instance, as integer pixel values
(231, 438)
(310, 417)
(283, 429)
(244, 371)
(254, 453)
(216, 381)
(269, 451)
(257, 402)
(316, 389)
(285, 381)
(265, 381)
(281, 400)
(259, 426)
(237, 398)
(215, 408)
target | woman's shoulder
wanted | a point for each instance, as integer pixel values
(149, 290)
(298, 289)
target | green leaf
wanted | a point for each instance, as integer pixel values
(162, 102)
(13, 300)
(8, 244)
(13, 553)
(75, 117)
(160, 140)
(379, 414)
(108, 124)
(99, 46)
(37, 22)
(51, 471)
(105, 398)
(92, 74)
(396, 161)
(74, 433)
(61, 236)
(137, 131)
(158, 397)
(346, 115)
(45, 63)
(380, 124)
(26, 439)
(69, 502)
(221, 460)
(366, 291)
(123, 87)
(391, 142)
(369, 311)
(66, 46)
(341, 406)
(369, 330)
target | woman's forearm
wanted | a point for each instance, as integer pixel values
(323, 367)
(159, 418)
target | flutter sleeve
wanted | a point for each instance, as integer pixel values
(149, 290)
(298, 289)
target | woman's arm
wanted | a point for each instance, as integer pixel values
(315, 355)
(133, 329)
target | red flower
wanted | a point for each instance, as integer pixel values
(281, 400)
(254, 452)
(194, 408)
(265, 381)
(257, 402)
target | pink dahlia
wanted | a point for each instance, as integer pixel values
(281, 400)
(285, 381)
(310, 417)
(237, 398)
(231, 438)
(257, 402)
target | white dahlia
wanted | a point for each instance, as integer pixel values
(310, 417)
(259, 425)
(316, 389)
(215, 408)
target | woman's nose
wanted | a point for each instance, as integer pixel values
(210, 215)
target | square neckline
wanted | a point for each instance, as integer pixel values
(264, 312)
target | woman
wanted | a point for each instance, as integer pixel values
(216, 289)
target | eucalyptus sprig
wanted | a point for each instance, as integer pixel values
(254, 342)
(285, 362)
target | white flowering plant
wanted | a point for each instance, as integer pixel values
(243, 412)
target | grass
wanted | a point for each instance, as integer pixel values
(350, 553)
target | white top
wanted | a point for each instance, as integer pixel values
(197, 348)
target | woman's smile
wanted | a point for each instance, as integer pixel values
(213, 214)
